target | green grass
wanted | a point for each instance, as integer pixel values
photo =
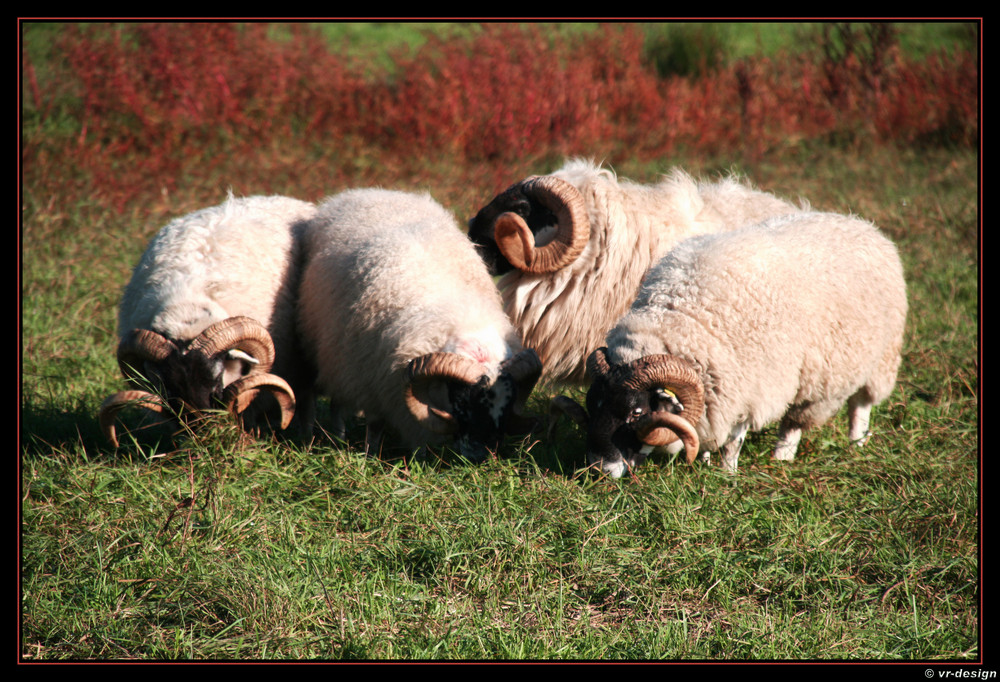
(220, 546)
(736, 39)
(295, 554)
(290, 552)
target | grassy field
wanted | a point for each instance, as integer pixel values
(218, 546)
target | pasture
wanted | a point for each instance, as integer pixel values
(218, 546)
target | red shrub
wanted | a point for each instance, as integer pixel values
(157, 101)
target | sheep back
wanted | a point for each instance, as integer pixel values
(390, 278)
(566, 314)
(218, 265)
(237, 258)
(789, 317)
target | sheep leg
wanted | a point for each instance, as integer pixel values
(338, 424)
(374, 431)
(305, 412)
(705, 456)
(730, 451)
(859, 411)
(789, 435)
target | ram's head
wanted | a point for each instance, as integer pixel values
(635, 407)
(538, 225)
(226, 366)
(448, 393)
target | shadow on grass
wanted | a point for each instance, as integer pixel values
(47, 431)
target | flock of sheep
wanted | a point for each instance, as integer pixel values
(695, 311)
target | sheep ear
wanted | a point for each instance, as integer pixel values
(597, 363)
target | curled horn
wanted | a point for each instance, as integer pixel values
(428, 368)
(516, 241)
(240, 332)
(140, 346)
(239, 394)
(114, 403)
(251, 337)
(678, 377)
(661, 428)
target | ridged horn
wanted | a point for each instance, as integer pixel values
(661, 428)
(516, 241)
(239, 394)
(672, 374)
(140, 346)
(241, 332)
(436, 366)
(116, 402)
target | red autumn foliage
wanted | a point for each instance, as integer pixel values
(150, 100)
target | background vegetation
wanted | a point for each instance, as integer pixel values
(218, 546)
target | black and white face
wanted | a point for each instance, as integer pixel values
(193, 381)
(612, 443)
(452, 394)
(513, 200)
(482, 412)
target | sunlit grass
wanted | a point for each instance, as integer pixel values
(218, 545)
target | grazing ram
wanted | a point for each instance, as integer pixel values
(573, 247)
(207, 318)
(782, 321)
(404, 324)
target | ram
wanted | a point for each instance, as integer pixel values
(784, 322)
(573, 247)
(403, 323)
(207, 318)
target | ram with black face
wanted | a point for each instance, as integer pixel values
(403, 323)
(573, 246)
(785, 321)
(207, 318)
(224, 367)
(531, 207)
(633, 408)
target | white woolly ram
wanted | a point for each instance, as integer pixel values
(404, 323)
(783, 321)
(573, 247)
(207, 318)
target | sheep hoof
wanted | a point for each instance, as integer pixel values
(784, 454)
(859, 442)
